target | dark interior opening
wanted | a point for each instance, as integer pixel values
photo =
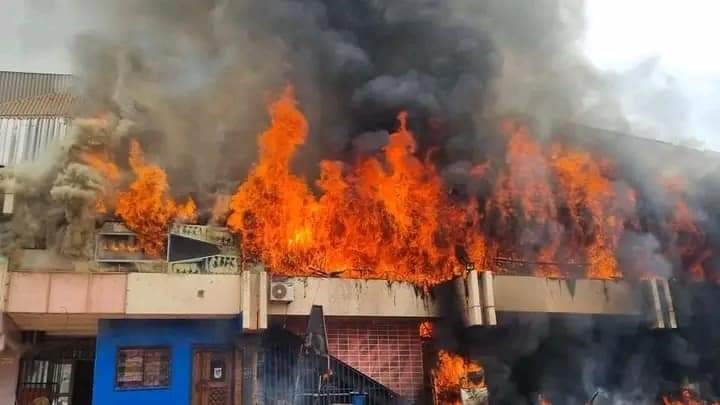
(82, 383)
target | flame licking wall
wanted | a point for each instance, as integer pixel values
(482, 85)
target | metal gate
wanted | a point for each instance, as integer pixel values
(49, 370)
(288, 378)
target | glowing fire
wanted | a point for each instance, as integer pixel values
(146, 207)
(686, 397)
(593, 205)
(453, 373)
(387, 218)
(555, 196)
(543, 401)
(390, 216)
(102, 164)
(120, 245)
(689, 236)
(425, 329)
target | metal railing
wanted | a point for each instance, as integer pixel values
(216, 264)
(218, 236)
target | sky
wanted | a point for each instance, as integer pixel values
(667, 52)
(662, 53)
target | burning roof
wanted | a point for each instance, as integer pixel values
(393, 215)
(389, 160)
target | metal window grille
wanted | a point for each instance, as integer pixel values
(47, 371)
(287, 377)
(143, 367)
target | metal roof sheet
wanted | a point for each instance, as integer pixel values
(45, 105)
(20, 85)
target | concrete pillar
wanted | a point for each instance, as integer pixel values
(9, 366)
(250, 347)
(4, 283)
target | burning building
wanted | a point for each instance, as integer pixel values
(389, 215)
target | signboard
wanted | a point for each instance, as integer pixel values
(217, 366)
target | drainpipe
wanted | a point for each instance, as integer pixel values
(488, 298)
(656, 315)
(665, 287)
(474, 306)
(262, 316)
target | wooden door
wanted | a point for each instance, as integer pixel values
(212, 377)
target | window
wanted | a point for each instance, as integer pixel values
(147, 367)
(45, 378)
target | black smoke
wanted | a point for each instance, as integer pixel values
(195, 76)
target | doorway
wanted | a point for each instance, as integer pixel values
(82, 383)
(212, 377)
(59, 371)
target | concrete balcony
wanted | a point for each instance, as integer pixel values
(70, 302)
(481, 296)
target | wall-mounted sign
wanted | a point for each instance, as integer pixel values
(217, 366)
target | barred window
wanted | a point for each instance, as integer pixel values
(143, 367)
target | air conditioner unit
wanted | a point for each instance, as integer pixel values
(281, 291)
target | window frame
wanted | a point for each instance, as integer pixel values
(142, 386)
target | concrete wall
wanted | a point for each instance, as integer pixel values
(66, 293)
(179, 335)
(4, 282)
(343, 297)
(535, 294)
(9, 364)
(183, 294)
(389, 350)
(90, 295)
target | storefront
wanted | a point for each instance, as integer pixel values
(56, 370)
(166, 362)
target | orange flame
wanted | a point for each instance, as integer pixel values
(689, 235)
(559, 197)
(543, 401)
(387, 218)
(524, 192)
(101, 163)
(120, 245)
(591, 200)
(425, 329)
(451, 374)
(110, 172)
(686, 397)
(390, 216)
(146, 207)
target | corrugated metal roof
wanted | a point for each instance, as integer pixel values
(20, 85)
(25, 139)
(54, 104)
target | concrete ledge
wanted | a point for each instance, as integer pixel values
(183, 294)
(66, 293)
(346, 297)
(537, 294)
(56, 300)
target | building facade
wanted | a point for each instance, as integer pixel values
(155, 359)
(202, 327)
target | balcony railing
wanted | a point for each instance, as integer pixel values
(215, 235)
(217, 264)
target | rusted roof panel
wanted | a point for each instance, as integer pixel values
(20, 85)
(45, 105)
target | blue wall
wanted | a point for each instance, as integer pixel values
(180, 335)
